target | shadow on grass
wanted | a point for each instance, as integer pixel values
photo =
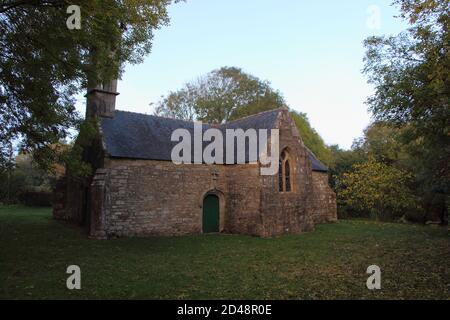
(329, 263)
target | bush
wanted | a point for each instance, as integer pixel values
(416, 216)
(378, 191)
(19, 182)
(36, 199)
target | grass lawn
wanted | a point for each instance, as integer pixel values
(329, 263)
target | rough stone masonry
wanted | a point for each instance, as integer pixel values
(136, 190)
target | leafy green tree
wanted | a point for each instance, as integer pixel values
(377, 189)
(342, 161)
(311, 138)
(43, 64)
(410, 73)
(222, 95)
(227, 94)
(23, 176)
(385, 143)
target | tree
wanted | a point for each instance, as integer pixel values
(384, 142)
(410, 73)
(21, 177)
(227, 94)
(342, 161)
(311, 138)
(222, 95)
(378, 189)
(43, 64)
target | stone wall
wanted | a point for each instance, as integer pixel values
(243, 197)
(147, 197)
(324, 199)
(69, 200)
(72, 194)
(288, 212)
(99, 204)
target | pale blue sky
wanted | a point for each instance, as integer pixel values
(309, 50)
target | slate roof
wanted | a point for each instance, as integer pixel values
(140, 136)
(315, 163)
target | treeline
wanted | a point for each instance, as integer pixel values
(381, 177)
(23, 181)
(400, 168)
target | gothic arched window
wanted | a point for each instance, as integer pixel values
(284, 173)
(287, 176)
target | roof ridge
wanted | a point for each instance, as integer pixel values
(207, 123)
(156, 116)
(254, 115)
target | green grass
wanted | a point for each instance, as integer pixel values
(329, 263)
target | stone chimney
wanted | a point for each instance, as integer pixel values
(101, 100)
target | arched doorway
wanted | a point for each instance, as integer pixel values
(211, 214)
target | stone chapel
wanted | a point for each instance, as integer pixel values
(136, 190)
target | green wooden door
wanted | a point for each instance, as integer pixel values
(211, 214)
